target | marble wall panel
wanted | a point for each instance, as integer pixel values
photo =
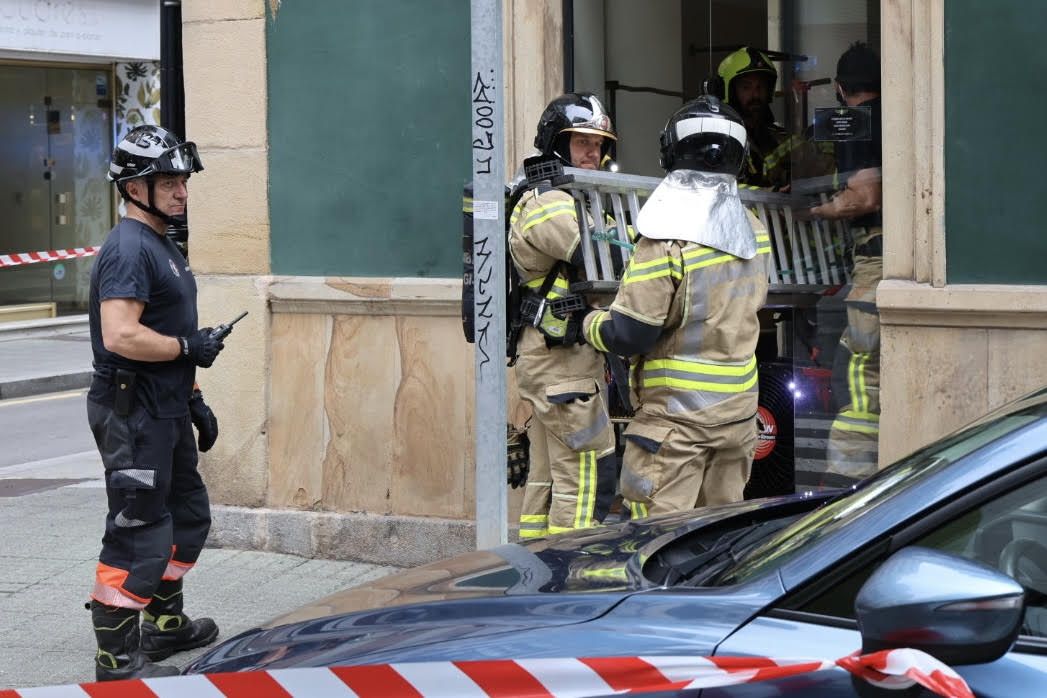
(432, 429)
(933, 381)
(237, 388)
(362, 372)
(299, 427)
(1017, 366)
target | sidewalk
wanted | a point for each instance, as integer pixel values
(52, 514)
(44, 356)
(47, 559)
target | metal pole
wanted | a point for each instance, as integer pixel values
(172, 96)
(487, 113)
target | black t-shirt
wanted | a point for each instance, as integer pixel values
(852, 156)
(136, 263)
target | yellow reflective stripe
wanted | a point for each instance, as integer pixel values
(852, 386)
(544, 213)
(615, 573)
(721, 259)
(634, 265)
(586, 500)
(858, 422)
(701, 367)
(686, 384)
(534, 525)
(856, 381)
(553, 530)
(516, 212)
(559, 287)
(653, 269)
(638, 510)
(467, 204)
(717, 376)
(863, 402)
(781, 150)
(593, 335)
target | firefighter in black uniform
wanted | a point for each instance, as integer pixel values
(854, 438)
(141, 407)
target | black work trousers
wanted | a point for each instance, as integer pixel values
(159, 514)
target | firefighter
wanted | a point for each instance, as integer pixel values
(141, 408)
(686, 312)
(572, 476)
(746, 80)
(854, 436)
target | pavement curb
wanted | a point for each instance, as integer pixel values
(399, 541)
(45, 384)
(26, 329)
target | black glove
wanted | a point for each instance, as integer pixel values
(204, 421)
(200, 348)
(518, 462)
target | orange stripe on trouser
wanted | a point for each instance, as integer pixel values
(176, 570)
(109, 588)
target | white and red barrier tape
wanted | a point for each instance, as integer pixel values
(534, 678)
(20, 258)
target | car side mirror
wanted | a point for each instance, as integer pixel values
(955, 609)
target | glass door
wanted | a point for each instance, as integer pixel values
(53, 192)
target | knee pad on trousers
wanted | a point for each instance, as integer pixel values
(141, 508)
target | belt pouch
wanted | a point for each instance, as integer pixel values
(125, 392)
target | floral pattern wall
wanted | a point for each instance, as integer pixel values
(137, 101)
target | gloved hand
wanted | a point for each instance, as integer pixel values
(204, 421)
(200, 348)
(518, 462)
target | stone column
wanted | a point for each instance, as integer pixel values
(225, 91)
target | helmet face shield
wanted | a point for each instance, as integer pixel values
(181, 159)
(589, 120)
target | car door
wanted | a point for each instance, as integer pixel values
(1002, 524)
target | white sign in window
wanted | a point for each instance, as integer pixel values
(116, 29)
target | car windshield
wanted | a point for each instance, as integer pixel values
(864, 496)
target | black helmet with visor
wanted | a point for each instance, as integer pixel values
(705, 134)
(147, 151)
(569, 113)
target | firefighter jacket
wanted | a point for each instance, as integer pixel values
(543, 230)
(686, 313)
(776, 157)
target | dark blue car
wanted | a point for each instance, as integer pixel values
(944, 551)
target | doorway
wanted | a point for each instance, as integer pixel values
(57, 131)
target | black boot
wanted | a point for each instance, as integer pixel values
(166, 630)
(119, 656)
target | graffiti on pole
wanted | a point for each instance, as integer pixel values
(483, 105)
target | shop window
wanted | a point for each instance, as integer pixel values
(813, 134)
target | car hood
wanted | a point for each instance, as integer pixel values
(469, 604)
(608, 558)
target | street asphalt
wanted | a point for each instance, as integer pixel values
(52, 514)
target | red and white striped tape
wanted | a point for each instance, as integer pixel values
(534, 678)
(14, 260)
